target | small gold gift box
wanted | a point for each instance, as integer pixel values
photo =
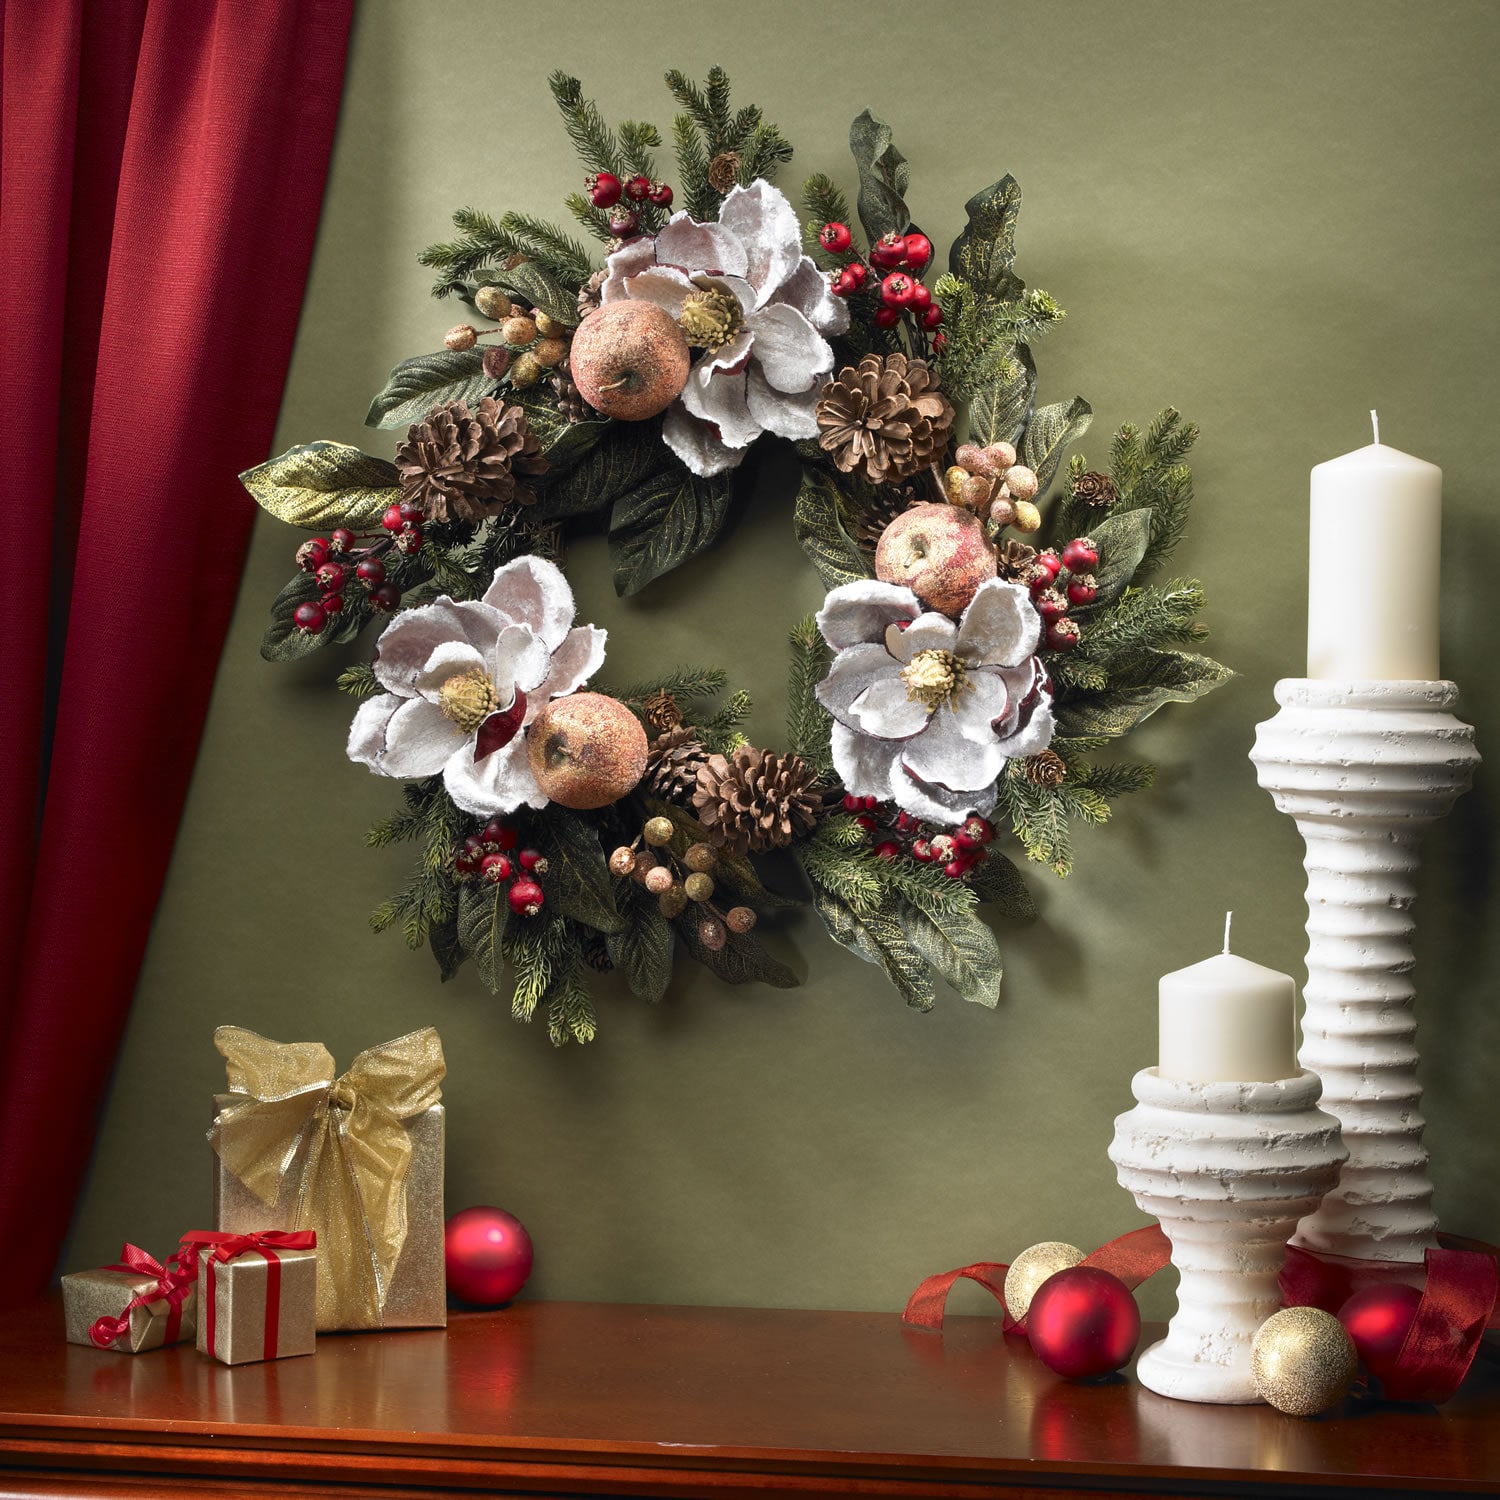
(259, 1294)
(134, 1305)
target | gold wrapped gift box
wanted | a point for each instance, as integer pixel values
(106, 1291)
(260, 1305)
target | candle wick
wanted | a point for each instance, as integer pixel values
(1375, 423)
(1228, 918)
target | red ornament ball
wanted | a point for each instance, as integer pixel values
(1083, 1322)
(1378, 1320)
(488, 1255)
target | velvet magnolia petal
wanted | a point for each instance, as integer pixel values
(519, 660)
(791, 353)
(629, 260)
(532, 591)
(367, 732)
(694, 442)
(855, 613)
(938, 804)
(766, 226)
(718, 396)
(887, 710)
(664, 285)
(865, 765)
(928, 632)
(448, 659)
(1033, 736)
(500, 783)
(788, 416)
(981, 706)
(690, 246)
(808, 291)
(406, 646)
(944, 755)
(418, 740)
(853, 671)
(573, 663)
(1000, 627)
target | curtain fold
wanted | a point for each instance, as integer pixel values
(162, 165)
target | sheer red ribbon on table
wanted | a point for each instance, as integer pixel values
(163, 165)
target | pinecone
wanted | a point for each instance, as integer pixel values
(588, 293)
(1012, 559)
(672, 765)
(884, 419)
(462, 465)
(724, 171)
(1095, 489)
(662, 712)
(1045, 769)
(569, 403)
(888, 503)
(756, 799)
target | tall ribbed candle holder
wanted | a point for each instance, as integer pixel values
(1363, 768)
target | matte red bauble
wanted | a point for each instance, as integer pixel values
(1083, 1322)
(1378, 1320)
(488, 1255)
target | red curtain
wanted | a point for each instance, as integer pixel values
(161, 170)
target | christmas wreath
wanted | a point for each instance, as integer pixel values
(978, 645)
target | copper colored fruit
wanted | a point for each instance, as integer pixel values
(586, 750)
(629, 360)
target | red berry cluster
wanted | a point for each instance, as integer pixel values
(957, 850)
(904, 258)
(605, 190)
(1054, 594)
(491, 855)
(335, 559)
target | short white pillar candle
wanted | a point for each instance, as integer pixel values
(1227, 1020)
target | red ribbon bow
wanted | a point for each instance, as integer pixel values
(173, 1283)
(227, 1247)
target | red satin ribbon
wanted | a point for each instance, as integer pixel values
(1460, 1299)
(1132, 1257)
(227, 1247)
(173, 1283)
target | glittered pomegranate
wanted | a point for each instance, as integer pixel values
(939, 552)
(586, 750)
(629, 359)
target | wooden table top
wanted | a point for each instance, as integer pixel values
(584, 1398)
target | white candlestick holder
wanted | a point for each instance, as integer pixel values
(1227, 1169)
(1364, 768)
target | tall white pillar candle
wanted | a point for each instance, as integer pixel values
(1372, 604)
(1227, 1020)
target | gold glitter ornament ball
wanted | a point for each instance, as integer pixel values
(1032, 1267)
(1302, 1361)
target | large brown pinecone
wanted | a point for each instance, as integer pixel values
(462, 465)
(884, 418)
(756, 799)
(672, 765)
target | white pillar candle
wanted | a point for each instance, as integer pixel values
(1372, 602)
(1227, 1020)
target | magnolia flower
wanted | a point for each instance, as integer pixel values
(463, 679)
(744, 293)
(927, 711)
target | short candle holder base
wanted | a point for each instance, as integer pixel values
(1364, 768)
(1227, 1169)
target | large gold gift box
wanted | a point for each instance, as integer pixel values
(356, 1158)
(108, 1291)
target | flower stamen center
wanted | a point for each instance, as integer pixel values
(710, 318)
(468, 699)
(934, 678)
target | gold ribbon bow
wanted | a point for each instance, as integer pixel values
(352, 1191)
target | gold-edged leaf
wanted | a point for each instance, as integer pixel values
(321, 485)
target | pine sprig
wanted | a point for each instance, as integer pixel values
(823, 202)
(1142, 620)
(484, 242)
(720, 732)
(685, 684)
(359, 681)
(598, 147)
(808, 724)
(692, 168)
(707, 129)
(1039, 820)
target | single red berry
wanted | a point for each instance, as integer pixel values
(310, 616)
(955, 868)
(871, 803)
(897, 290)
(1080, 555)
(343, 540)
(965, 840)
(495, 868)
(501, 835)
(533, 861)
(1050, 604)
(844, 285)
(981, 830)
(412, 514)
(866, 822)
(1083, 589)
(393, 520)
(386, 597)
(312, 555)
(1050, 561)
(921, 298)
(603, 189)
(409, 539)
(932, 316)
(331, 577)
(526, 898)
(463, 867)
(888, 850)
(939, 343)
(333, 603)
(922, 850)
(835, 237)
(916, 251)
(859, 271)
(661, 195)
(371, 571)
(1063, 635)
(638, 187)
(852, 803)
(888, 252)
(623, 223)
(943, 848)
(473, 846)
(887, 317)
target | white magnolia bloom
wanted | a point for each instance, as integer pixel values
(463, 679)
(748, 277)
(927, 710)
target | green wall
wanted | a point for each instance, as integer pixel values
(1274, 216)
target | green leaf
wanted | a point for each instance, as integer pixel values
(663, 522)
(283, 641)
(742, 959)
(1121, 541)
(577, 877)
(321, 485)
(816, 523)
(415, 386)
(483, 913)
(528, 282)
(999, 412)
(984, 254)
(1000, 883)
(883, 176)
(622, 455)
(1163, 677)
(960, 948)
(879, 939)
(442, 938)
(642, 949)
(1048, 434)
